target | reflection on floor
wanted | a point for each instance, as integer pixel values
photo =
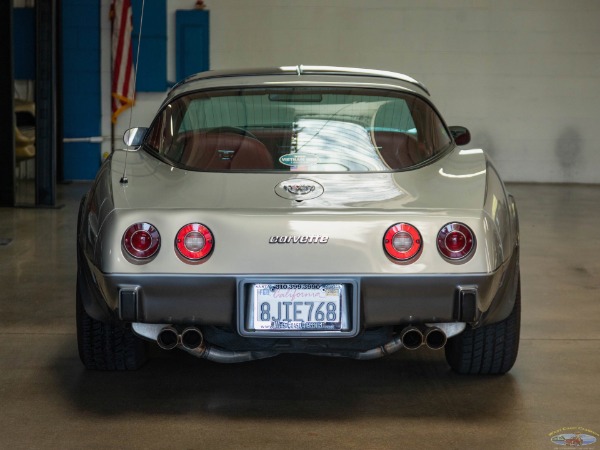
(25, 184)
(409, 400)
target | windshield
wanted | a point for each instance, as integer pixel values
(300, 129)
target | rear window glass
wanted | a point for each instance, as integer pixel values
(300, 129)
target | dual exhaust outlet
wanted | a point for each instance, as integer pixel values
(190, 338)
(192, 341)
(433, 337)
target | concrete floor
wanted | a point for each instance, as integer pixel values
(409, 400)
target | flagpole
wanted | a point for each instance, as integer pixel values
(112, 125)
(123, 76)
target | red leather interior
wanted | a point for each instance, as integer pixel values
(399, 150)
(225, 151)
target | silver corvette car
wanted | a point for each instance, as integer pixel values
(307, 209)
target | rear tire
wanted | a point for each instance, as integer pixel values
(488, 350)
(106, 346)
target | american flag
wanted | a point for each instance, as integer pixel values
(123, 79)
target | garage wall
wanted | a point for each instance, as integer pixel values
(81, 86)
(524, 76)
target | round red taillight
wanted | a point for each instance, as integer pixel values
(455, 241)
(141, 240)
(194, 241)
(402, 241)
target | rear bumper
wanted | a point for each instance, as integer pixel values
(477, 299)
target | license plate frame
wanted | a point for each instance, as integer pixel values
(298, 308)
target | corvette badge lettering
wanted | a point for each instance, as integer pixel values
(313, 239)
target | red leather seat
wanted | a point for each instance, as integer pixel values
(223, 151)
(399, 150)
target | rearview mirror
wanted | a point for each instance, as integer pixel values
(461, 135)
(134, 136)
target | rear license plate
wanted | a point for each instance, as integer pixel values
(301, 307)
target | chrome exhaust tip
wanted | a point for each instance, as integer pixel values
(191, 338)
(167, 338)
(435, 338)
(412, 338)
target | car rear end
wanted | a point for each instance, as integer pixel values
(335, 221)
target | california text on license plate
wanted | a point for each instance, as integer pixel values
(302, 307)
